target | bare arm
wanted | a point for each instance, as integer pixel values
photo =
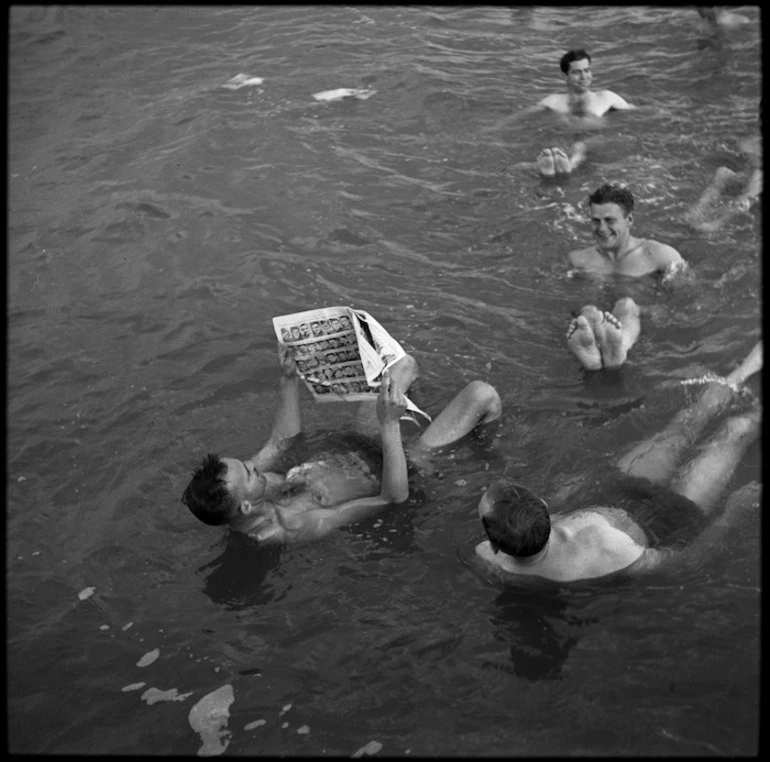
(618, 103)
(319, 522)
(287, 422)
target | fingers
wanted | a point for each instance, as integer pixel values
(391, 392)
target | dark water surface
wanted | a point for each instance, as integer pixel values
(158, 221)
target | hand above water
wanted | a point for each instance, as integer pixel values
(286, 361)
(391, 402)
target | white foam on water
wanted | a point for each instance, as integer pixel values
(209, 717)
(255, 724)
(242, 80)
(154, 695)
(148, 658)
(368, 749)
(132, 687)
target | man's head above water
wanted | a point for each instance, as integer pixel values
(224, 490)
(515, 520)
(570, 56)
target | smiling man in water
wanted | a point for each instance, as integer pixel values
(602, 339)
(350, 482)
(578, 101)
(665, 515)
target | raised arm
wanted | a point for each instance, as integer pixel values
(287, 422)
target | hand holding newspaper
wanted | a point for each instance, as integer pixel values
(340, 353)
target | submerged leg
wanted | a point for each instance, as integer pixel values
(701, 215)
(656, 458)
(705, 477)
(579, 155)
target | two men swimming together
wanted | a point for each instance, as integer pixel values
(340, 487)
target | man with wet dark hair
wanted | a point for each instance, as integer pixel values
(665, 515)
(341, 485)
(602, 339)
(615, 251)
(580, 100)
(516, 522)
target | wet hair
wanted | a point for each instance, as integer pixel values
(570, 56)
(207, 495)
(518, 523)
(613, 194)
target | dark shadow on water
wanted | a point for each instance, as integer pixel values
(237, 577)
(539, 631)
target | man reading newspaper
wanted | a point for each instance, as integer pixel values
(331, 489)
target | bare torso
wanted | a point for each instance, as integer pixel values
(643, 257)
(590, 104)
(325, 482)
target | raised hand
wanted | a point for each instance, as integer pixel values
(286, 361)
(391, 403)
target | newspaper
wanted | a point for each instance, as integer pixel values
(340, 353)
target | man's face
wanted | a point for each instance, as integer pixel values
(244, 481)
(579, 76)
(609, 225)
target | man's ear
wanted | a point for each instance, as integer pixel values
(245, 507)
(630, 218)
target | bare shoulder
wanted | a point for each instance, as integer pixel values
(613, 100)
(619, 519)
(662, 254)
(555, 102)
(582, 257)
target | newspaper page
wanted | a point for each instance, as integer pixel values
(340, 353)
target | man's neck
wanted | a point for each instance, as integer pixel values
(622, 250)
(531, 562)
(273, 486)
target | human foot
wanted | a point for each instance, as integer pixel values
(582, 343)
(609, 337)
(627, 311)
(545, 163)
(561, 162)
